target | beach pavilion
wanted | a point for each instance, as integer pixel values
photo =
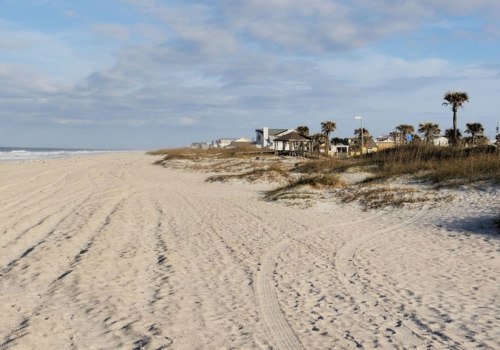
(293, 144)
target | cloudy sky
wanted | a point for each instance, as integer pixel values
(142, 74)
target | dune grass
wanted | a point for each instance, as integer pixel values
(220, 153)
(437, 164)
(325, 166)
(272, 172)
(315, 181)
(444, 166)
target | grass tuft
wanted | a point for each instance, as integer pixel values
(316, 182)
(273, 172)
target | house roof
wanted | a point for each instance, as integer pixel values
(370, 143)
(242, 139)
(384, 139)
(292, 136)
(271, 132)
(226, 139)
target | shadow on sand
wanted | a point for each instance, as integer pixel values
(486, 224)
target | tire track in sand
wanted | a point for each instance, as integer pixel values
(348, 276)
(282, 334)
(22, 328)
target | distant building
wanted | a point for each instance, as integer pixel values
(339, 150)
(384, 142)
(440, 141)
(265, 136)
(223, 142)
(292, 143)
(370, 146)
(241, 142)
(200, 145)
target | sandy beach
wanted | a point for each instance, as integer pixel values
(112, 252)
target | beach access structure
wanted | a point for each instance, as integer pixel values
(293, 144)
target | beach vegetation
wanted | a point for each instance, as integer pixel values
(429, 131)
(456, 100)
(437, 164)
(273, 172)
(441, 166)
(373, 197)
(475, 130)
(303, 130)
(321, 181)
(403, 130)
(327, 127)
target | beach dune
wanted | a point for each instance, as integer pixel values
(112, 252)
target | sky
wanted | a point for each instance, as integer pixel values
(147, 74)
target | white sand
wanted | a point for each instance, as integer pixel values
(111, 252)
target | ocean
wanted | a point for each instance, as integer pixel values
(29, 153)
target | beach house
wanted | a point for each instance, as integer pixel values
(264, 137)
(241, 142)
(292, 143)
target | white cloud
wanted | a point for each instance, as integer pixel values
(186, 121)
(77, 121)
(48, 54)
(239, 65)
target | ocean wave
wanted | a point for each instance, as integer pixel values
(21, 154)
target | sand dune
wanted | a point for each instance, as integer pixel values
(111, 252)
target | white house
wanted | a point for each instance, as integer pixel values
(265, 136)
(440, 141)
(339, 150)
(384, 142)
(292, 143)
(223, 142)
(241, 142)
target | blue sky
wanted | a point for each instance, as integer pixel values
(143, 74)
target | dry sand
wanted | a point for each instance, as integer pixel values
(111, 252)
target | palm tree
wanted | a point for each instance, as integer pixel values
(474, 129)
(303, 130)
(366, 136)
(456, 100)
(450, 133)
(404, 130)
(366, 133)
(317, 139)
(429, 130)
(327, 128)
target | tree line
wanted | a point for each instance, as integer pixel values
(405, 133)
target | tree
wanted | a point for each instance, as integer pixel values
(366, 134)
(450, 134)
(474, 129)
(405, 130)
(456, 100)
(317, 139)
(303, 130)
(416, 140)
(340, 141)
(429, 130)
(366, 137)
(328, 127)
